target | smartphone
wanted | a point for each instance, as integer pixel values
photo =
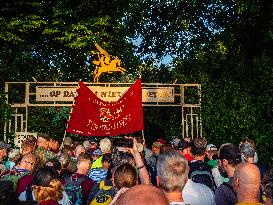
(123, 142)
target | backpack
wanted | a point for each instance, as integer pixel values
(201, 173)
(73, 189)
(14, 177)
(104, 196)
(29, 196)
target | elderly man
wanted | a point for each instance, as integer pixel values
(27, 146)
(27, 165)
(246, 183)
(78, 184)
(172, 175)
(42, 152)
(79, 150)
(21, 175)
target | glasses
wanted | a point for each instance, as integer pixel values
(31, 163)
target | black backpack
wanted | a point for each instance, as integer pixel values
(200, 172)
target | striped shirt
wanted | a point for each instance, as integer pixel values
(97, 174)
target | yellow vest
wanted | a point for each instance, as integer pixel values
(97, 163)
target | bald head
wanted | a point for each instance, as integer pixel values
(28, 162)
(143, 194)
(246, 182)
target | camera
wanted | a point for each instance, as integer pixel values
(123, 142)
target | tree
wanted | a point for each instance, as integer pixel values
(226, 46)
(53, 40)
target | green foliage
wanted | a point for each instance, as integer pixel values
(50, 120)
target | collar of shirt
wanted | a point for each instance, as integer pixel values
(21, 170)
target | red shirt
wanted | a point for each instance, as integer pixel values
(49, 202)
(23, 183)
(188, 157)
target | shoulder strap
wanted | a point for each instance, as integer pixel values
(76, 181)
(29, 196)
(82, 179)
(104, 187)
(101, 184)
(202, 172)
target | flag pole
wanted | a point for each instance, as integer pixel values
(69, 118)
(63, 139)
(66, 127)
(142, 131)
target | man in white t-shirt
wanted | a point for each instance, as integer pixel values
(197, 194)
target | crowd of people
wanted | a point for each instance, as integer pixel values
(96, 172)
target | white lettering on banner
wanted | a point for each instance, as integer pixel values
(110, 94)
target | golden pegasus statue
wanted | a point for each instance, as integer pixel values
(105, 64)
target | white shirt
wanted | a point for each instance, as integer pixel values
(197, 194)
(218, 179)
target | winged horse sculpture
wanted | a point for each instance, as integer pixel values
(105, 64)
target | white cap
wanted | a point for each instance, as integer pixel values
(175, 142)
(86, 144)
(211, 147)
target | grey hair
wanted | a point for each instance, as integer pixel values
(105, 145)
(172, 171)
(248, 150)
(13, 153)
(86, 144)
(64, 159)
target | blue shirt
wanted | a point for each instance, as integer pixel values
(97, 174)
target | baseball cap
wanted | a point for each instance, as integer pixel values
(93, 141)
(156, 145)
(211, 147)
(161, 140)
(97, 152)
(4, 145)
(175, 142)
(183, 145)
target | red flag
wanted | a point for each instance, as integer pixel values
(92, 116)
